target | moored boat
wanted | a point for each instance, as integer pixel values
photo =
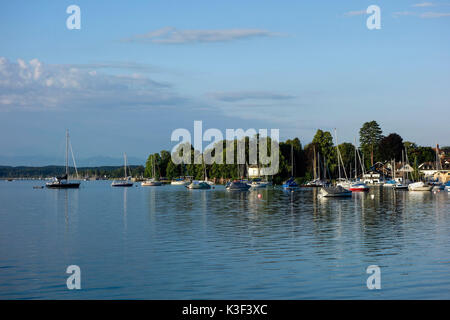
(259, 184)
(63, 182)
(335, 191)
(390, 183)
(126, 182)
(122, 183)
(400, 186)
(237, 186)
(290, 184)
(359, 187)
(151, 183)
(419, 186)
(180, 182)
(195, 184)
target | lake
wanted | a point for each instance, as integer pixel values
(172, 243)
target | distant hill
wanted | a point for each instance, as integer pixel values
(40, 161)
(51, 171)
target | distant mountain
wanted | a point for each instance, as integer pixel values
(37, 161)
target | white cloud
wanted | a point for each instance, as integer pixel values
(171, 35)
(38, 86)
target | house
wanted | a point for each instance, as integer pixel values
(434, 171)
(255, 171)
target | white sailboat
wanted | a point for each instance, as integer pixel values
(358, 186)
(339, 190)
(152, 182)
(126, 182)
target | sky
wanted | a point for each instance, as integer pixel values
(138, 70)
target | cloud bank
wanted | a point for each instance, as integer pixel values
(37, 86)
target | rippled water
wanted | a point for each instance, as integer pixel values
(172, 243)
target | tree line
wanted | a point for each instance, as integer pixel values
(374, 147)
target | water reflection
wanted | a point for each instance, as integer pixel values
(178, 243)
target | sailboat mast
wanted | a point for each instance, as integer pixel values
(292, 159)
(67, 153)
(315, 161)
(337, 153)
(125, 163)
(356, 165)
(318, 165)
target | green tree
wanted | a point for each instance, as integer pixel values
(370, 136)
(391, 147)
(347, 151)
(323, 140)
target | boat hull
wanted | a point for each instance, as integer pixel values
(419, 186)
(203, 187)
(238, 186)
(180, 183)
(122, 185)
(335, 192)
(151, 184)
(359, 189)
(72, 185)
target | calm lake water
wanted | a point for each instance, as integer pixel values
(172, 243)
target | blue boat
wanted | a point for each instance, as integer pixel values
(290, 184)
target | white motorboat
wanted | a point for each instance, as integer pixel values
(151, 183)
(259, 184)
(419, 186)
(180, 182)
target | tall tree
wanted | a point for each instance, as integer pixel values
(391, 147)
(370, 136)
(323, 140)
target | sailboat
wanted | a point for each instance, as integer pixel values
(63, 182)
(126, 182)
(181, 181)
(211, 183)
(318, 181)
(195, 184)
(337, 190)
(403, 185)
(152, 182)
(290, 183)
(358, 186)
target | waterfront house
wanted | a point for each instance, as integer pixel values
(254, 171)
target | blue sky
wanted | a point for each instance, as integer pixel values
(138, 70)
